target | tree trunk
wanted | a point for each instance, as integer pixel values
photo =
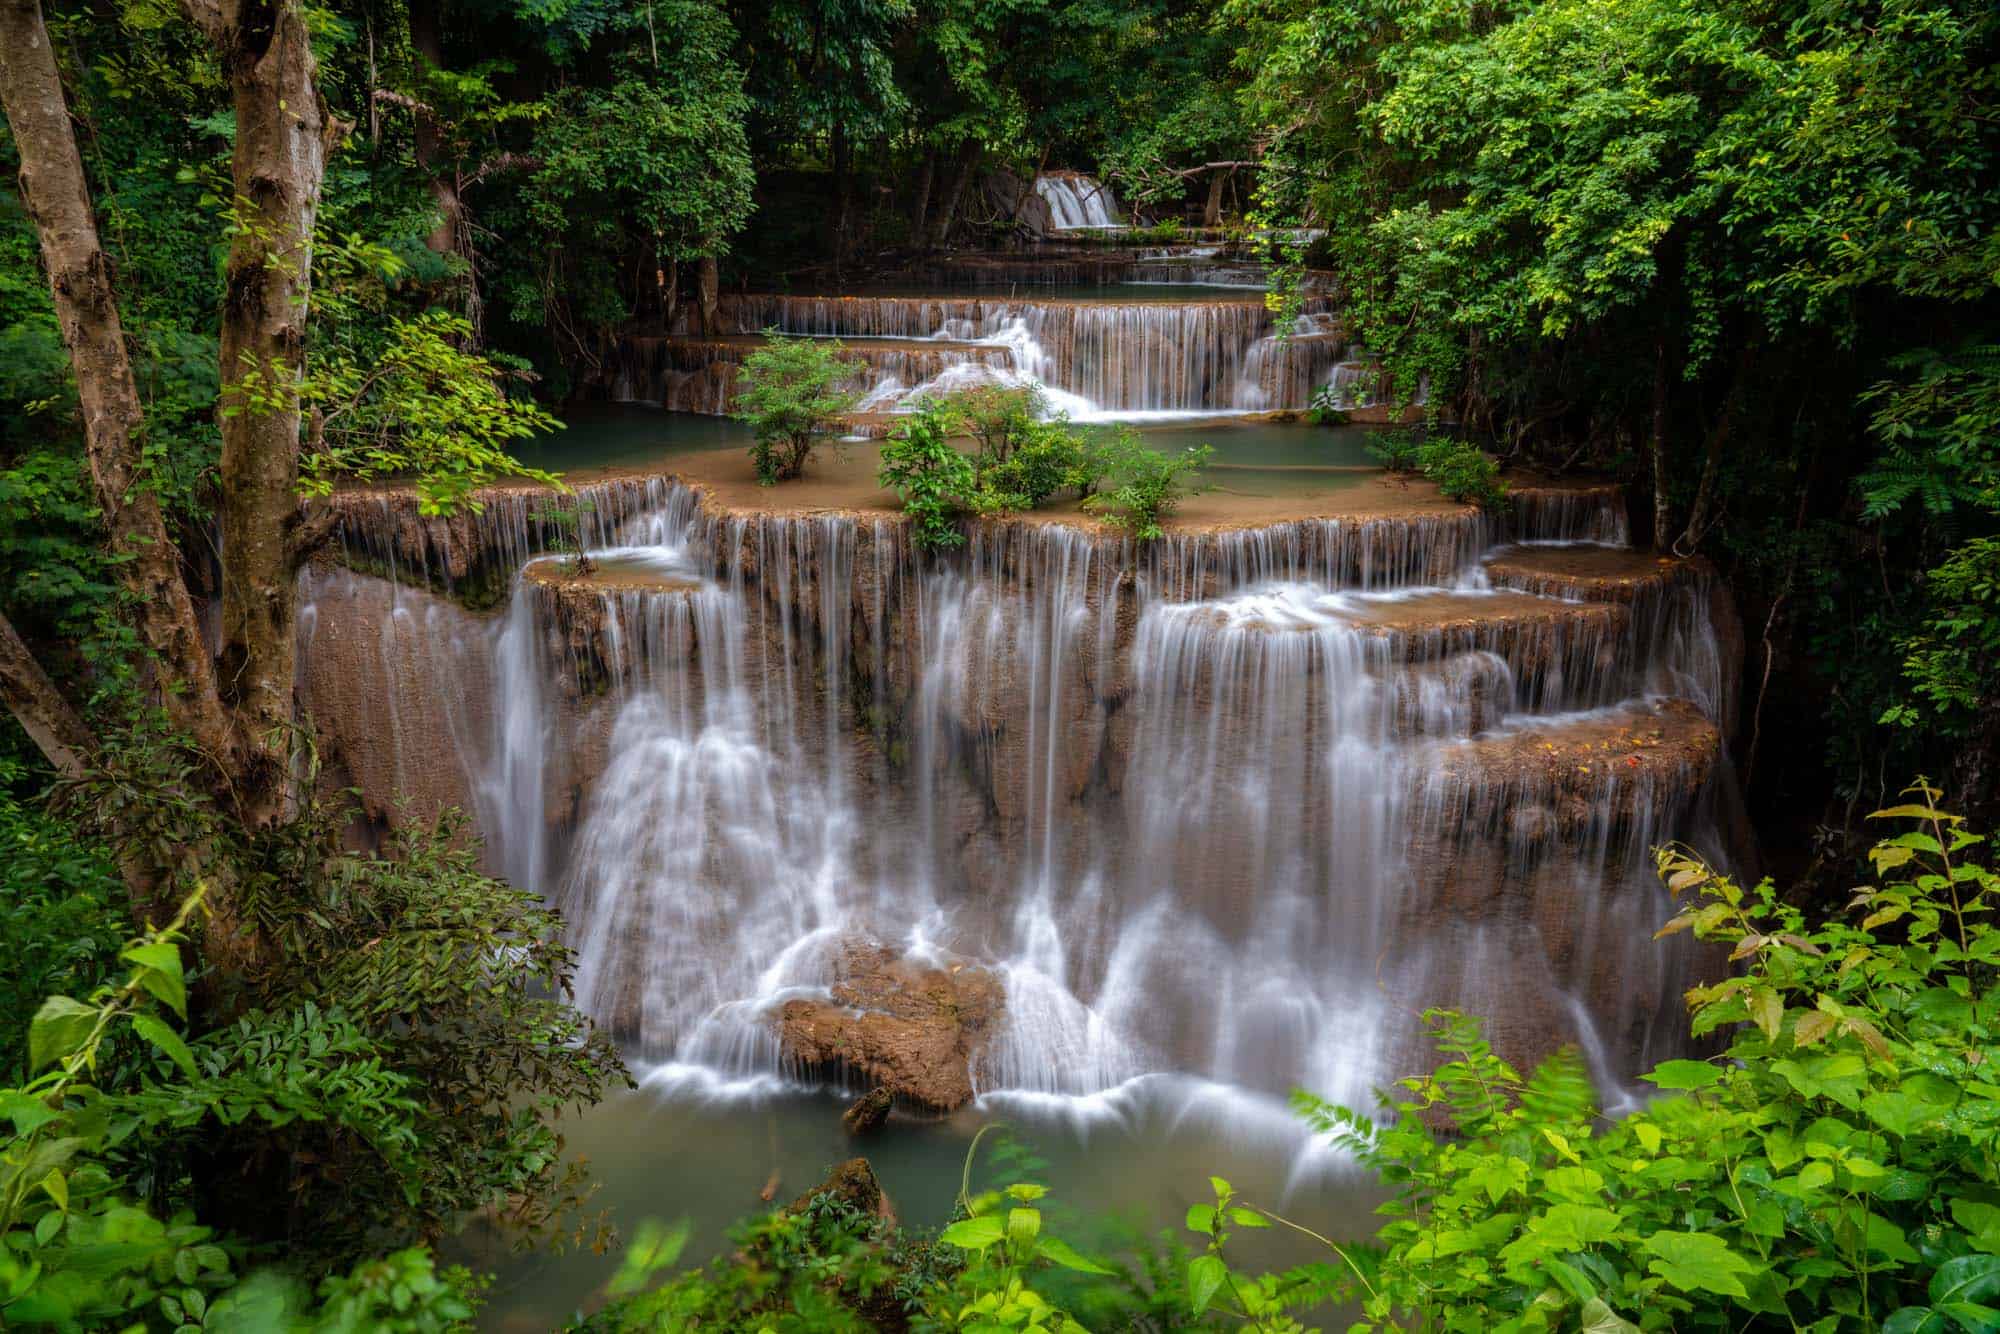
(35, 702)
(955, 179)
(1698, 521)
(843, 189)
(709, 282)
(1662, 507)
(427, 40)
(283, 136)
(57, 197)
(920, 207)
(1211, 213)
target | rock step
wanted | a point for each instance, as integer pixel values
(1590, 572)
(1664, 747)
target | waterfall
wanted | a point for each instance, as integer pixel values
(1093, 358)
(1217, 815)
(1077, 201)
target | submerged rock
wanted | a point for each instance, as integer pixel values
(905, 1028)
(868, 1112)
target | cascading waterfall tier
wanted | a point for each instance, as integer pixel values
(1076, 201)
(1056, 815)
(1094, 358)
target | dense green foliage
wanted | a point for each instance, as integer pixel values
(396, 1066)
(792, 400)
(1144, 485)
(1743, 254)
(935, 481)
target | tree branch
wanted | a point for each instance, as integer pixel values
(56, 729)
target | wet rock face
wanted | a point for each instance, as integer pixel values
(908, 1029)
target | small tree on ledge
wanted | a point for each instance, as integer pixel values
(790, 401)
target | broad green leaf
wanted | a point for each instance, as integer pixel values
(1247, 1217)
(1023, 1225)
(1058, 1251)
(1682, 1075)
(158, 966)
(58, 1029)
(1969, 1278)
(1767, 1009)
(156, 1032)
(1201, 1218)
(1648, 1134)
(24, 1110)
(1206, 1273)
(1697, 1262)
(975, 1234)
(1570, 1279)
(1601, 1319)
(1574, 1227)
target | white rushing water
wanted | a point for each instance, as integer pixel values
(1219, 815)
(1095, 359)
(1076, 201)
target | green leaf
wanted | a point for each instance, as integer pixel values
(1601, 1319)
(1206, 1273)
(1569, 1278)
(1768, 1010)
(1681, 1075)
(151, 1028)
(1969, 1278)
(1058, 1251)
(1247, 1218)
(975, 1234)
(58, 1029)
(159, 971)
(1697, 1262)
(1201, 1218)
(1023, 1225)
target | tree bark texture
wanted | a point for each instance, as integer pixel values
(40, 708)
(1662, 508)
(920, 205)
(57, 196)
(283, 137)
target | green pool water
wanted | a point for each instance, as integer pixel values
(1261, 457)
(1120, 1169)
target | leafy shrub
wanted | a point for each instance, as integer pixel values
(1327, 407)
(63, 917)
(997, 417)
(1397, 451)
(935, 481)
(412, 963)
(1146, 485)
(77, 1249)
(1462, 472)
(789, 399)
(1049, 457)
(1834, 1170)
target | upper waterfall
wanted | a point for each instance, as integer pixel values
(1078, 201)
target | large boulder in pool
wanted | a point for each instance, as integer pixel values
(910, 1027)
